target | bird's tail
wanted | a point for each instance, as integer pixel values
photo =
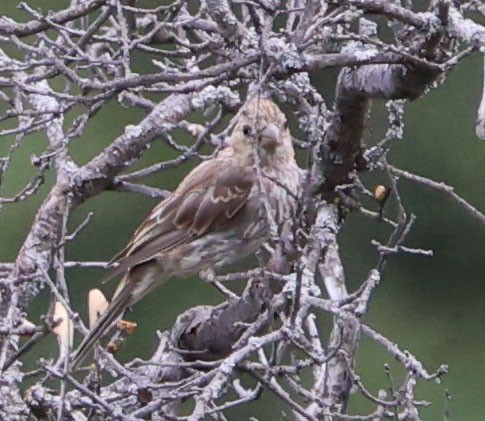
(114, 312)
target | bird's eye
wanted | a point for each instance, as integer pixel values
(246, 130)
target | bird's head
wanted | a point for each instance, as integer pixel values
(262, 125)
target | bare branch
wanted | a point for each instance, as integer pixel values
(185, 68)
(9, 27)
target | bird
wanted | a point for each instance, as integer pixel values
(223, 210)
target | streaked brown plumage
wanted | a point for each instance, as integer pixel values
(217, 215)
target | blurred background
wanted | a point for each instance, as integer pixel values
(431, 306)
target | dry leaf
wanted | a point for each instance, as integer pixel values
(64, 329)
(97, 305)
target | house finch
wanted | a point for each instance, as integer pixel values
(220, 212)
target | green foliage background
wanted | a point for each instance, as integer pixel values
(434, 307)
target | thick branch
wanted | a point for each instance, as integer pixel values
(355, 90)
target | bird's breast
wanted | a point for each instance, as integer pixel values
(283, 191)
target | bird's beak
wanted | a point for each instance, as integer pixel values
(269, 136)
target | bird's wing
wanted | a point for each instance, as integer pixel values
(209, 198)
